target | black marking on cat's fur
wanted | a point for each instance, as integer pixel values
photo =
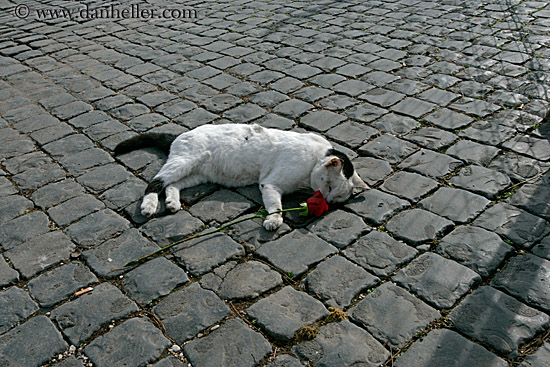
(163, 141)
(155, 186)
(346, 163)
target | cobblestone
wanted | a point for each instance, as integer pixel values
(284, 312)
(470, 318)
(394, 329)
(442, 107)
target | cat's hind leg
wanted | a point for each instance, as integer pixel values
(173, 198)
(271, 196)
(173, 202)
(150, 205)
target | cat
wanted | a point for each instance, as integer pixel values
(236, 155)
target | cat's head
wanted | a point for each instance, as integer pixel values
(336, 178)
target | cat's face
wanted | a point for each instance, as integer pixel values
(330, 178)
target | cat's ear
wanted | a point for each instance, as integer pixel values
(358, 183)
(334, 164)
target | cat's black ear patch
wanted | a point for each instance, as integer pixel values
(347, 166)
(155, 186)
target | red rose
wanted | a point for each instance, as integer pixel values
(317, 205)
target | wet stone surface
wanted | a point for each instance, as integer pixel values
(337, 281)
(441, 107)
(438, 281)
(284, 312)
(342, 344)
(139, 339)
(393, 328)
(238, 345)
(189, 311)
(489, 315)
(450, 348)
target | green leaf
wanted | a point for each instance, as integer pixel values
(263, 213)
(304, 212)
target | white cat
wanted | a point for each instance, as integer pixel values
(239, 155)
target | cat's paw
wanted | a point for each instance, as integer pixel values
(173, 205)
(149, 207)
(273, 222)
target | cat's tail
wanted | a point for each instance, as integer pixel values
(163, 141)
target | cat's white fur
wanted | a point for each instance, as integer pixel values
(239, 155)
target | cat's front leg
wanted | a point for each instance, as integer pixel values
(271, 196)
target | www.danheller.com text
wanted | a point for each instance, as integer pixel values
(111, 11)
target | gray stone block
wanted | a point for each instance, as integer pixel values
(532, 197)
(283, 313)
(393, 328)
(104, 177)
(138, 341)
(200, 255)
(73, 209)
(7, 274)
(458, 205)
(109, 258)
(342, 344)
(154, 279)
(472, 152)
(487, 132)
(171, 228)
(388, 148)
(40, 253)
(189, 311)
(80, 162)
(321, 120)
(295, 252)
(543, 248)
(448, 119)
(58, 284)
(254, 234)
(16, 306)
(38, 328)
(339, 228)
(447, 348)
(285, 360)
(97, 227)
(438, 281)
(292, 108)
(233, 344)
(80, 318)
(379, 253)
(539, 359)
(432, 138)
(23, 228)
(525, 277)
(431, 164)
(220, 207)
(371, 170)
(247, 280)
(476, 248)
(13, 206)
(518, 167)
(409, 185)
(376, 206)
(54, 193)
(413, 107)
(337, 281)
(352, 133)
(124, 194)
(483, 181)
(244, 113)
(498, 320)
(516, 225)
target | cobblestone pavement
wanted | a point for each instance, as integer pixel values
(445, 261)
